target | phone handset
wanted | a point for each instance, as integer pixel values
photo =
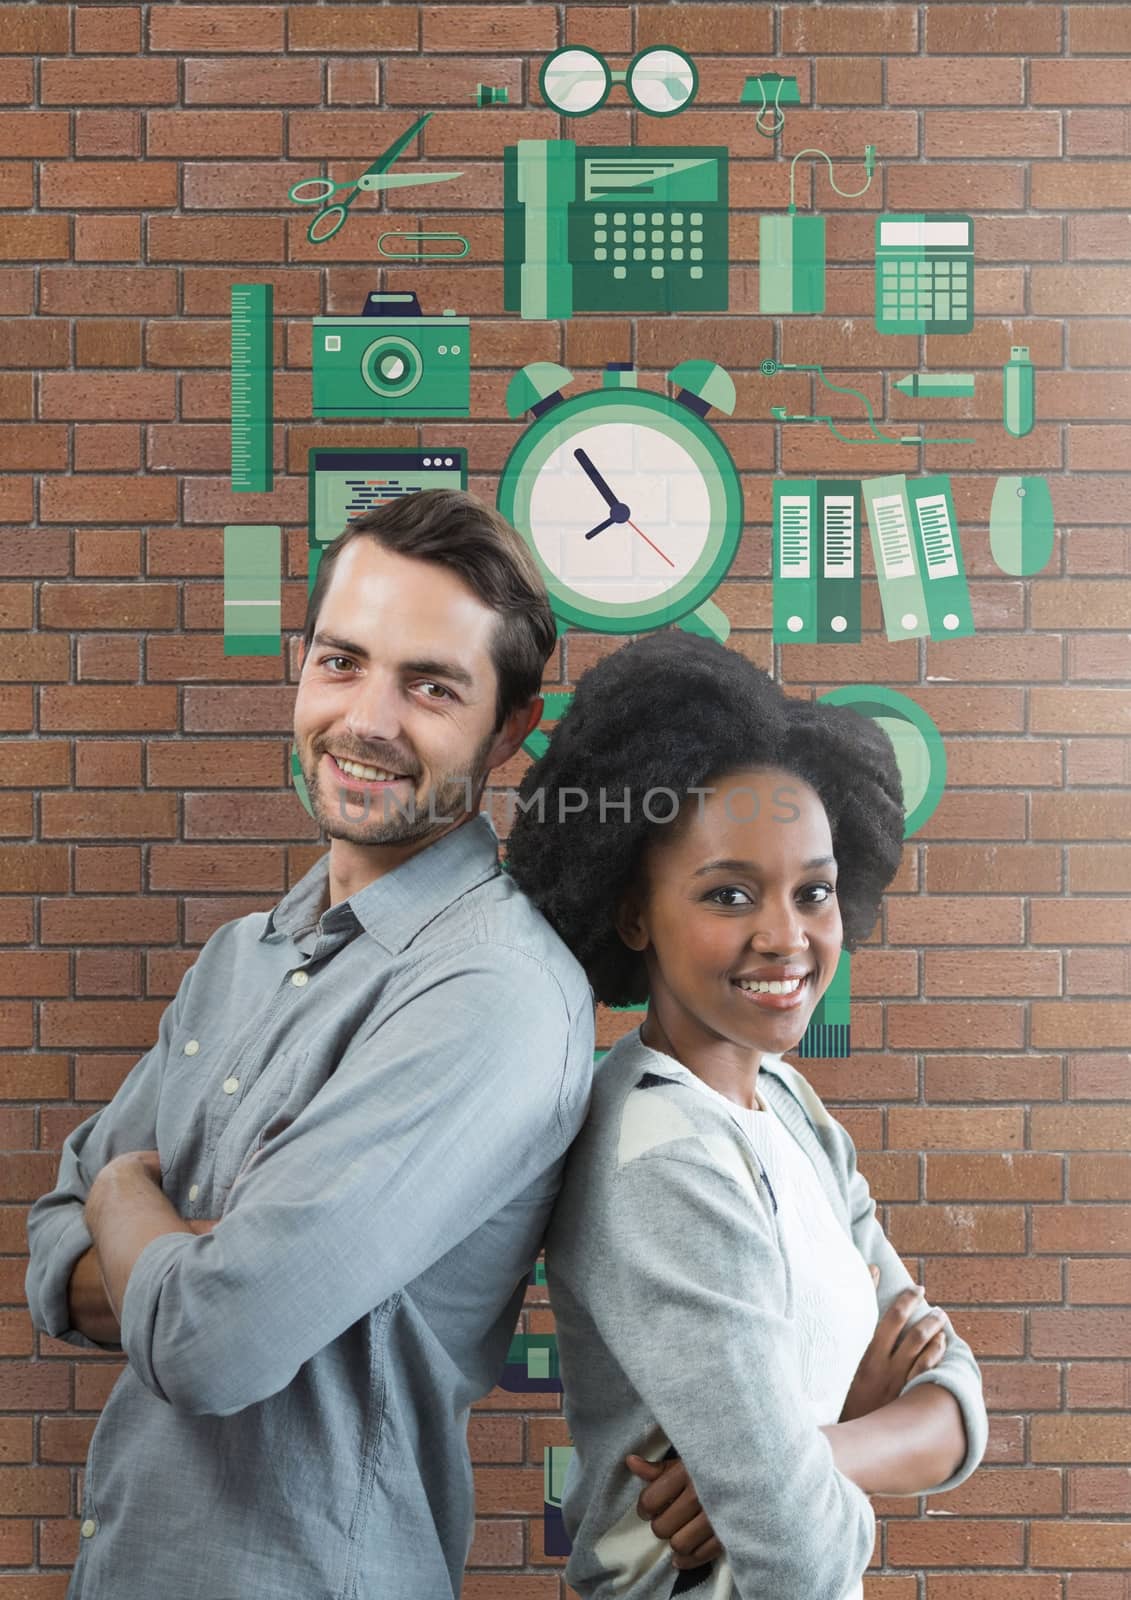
(547, 185)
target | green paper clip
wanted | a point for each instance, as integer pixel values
(422, 255)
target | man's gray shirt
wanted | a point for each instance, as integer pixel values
(376, 1103)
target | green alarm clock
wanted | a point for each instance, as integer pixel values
(629, 500)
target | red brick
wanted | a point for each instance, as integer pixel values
(952, 1229)
(1096, 30)
(108, 133)
(107, 343)
(996, 868)
(1084, 1229)
(955, 1543)
(1007, 1177)
(965, 1078)
(992, 29)
(109, 291)
(1080, 1544)
(115, 397)
(1100, 1281)
(34, 133)
(108, 29)
(108, 80)
(111, 815)
(100, 498)
(107, 447)
(35, 238)
(108, 184)
(368, 28)
(947, 920)
(107, 239)
(251, 80)
(216, 28)
(214, 133)
(1008, 973)
(35, 29)
(488, 28)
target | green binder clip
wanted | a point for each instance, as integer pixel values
(766, 89)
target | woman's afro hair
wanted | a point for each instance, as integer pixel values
(675, 711)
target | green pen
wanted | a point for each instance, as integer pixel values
(936, 383)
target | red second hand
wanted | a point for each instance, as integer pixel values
(646, 539)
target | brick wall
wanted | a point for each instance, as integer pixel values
(144, 156)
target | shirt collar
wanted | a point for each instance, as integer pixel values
(395, 907)
(665, 1066)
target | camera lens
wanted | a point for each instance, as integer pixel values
(392, 366)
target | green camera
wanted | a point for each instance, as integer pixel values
(392, 362)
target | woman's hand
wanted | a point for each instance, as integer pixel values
(672, 1507)
(896, 1354)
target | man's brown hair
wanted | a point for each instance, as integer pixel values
(458, 531)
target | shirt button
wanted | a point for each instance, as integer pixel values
(299, 978)
(194, 1191)
(192, 1047)
(231, 1085)
(88, 1528)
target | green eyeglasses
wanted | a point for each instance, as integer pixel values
(660, 80)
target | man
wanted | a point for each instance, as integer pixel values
(372, 1088)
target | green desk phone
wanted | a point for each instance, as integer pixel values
(604, 228)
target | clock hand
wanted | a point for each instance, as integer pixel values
(601, 526)
(596, 479)
(646, 539)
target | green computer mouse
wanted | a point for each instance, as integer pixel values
(1022, 528)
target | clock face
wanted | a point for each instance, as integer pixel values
(633, 512)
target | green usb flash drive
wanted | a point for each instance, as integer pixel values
(1017, 392)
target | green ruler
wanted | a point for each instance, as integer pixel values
(252, 388)
(253, 565)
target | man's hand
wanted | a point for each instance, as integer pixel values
(131, 1168)
(670, 1504)
(896, 1354)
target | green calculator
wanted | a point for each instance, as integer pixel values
(924, 272)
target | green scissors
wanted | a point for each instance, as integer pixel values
(316, 191)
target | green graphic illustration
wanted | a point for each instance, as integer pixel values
(341, 484)
(924, 272)
(816, 561)
(1017, 397)
(829, 1034)
(253, 388)
(253, 575)
(374, 180)
(629, 500)
(419, 251)
(532, 1366)
(921, 757)
(537, 742)
(555, 1464)
(762, 88)
(770, 367)
(936, 385)
(1022, 525)
(660, 80)
(918, 556)
(487, 94)
(392, 361)
(599, 228)
(791, 249)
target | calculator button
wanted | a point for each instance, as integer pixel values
(600, 253)
(619, 236)
(677, 236)
(657, 255)
(677, 219)
(620, 272)
(696, 255)
(906, 267)
(657, 272)
(600, 218)
(639, 254)
(697, 272)
(657, 218)
(696, 236)
(638, 236)
(657, 235)
(619, 219)
(620, 255)
(942, 308)
(638, 217)
(600, 236)
(696, 219)
(676, 252)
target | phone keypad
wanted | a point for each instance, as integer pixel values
(674, 240)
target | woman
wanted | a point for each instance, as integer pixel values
(711, 1259)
